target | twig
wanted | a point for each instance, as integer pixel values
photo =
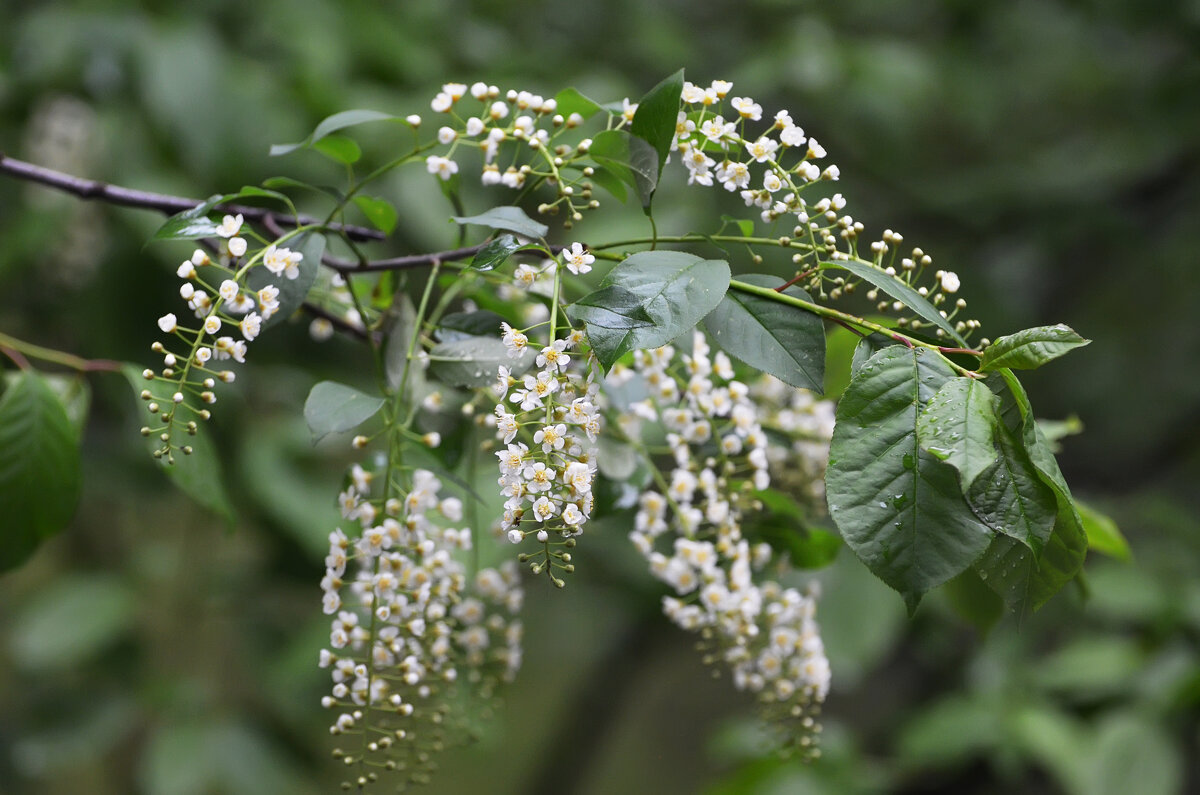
(114, 194)
(338, 323)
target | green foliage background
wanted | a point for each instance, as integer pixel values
(1047, 151)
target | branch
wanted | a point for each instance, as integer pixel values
(126, 197)
(337, 322)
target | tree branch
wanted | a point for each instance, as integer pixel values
(126, 197)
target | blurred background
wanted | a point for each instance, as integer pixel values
(1048, 152)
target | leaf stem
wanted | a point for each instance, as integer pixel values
(23, 349)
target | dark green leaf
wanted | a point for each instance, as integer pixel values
(787, 528)
(380, 212)
(899, 291)
(611, 182)
(331, 124)
(39, 467)
(255, 192)
(630, 159)
(1031, 348)
(676, 289)
(479, 323)
(867, 347)
(289, 182)
(957, 426)
(475, 361)
(610, 307)
(292, 292)
(972, 600)
(511, 219)
(1103, 535)
(778, 339)
(744, 225)
(1010, 496)
(494, 252)
(339, 149)
(569, 101)
(191, 224)
(654, 121)
(337, 408)
(899, 508)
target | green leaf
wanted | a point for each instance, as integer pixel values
(479, 323)
(39, 467)
(569, 101)
(608, 179)
(331, 124)
(336, 408)
(744, 225)
(1031, 348)
(786, 527)
(494, 252)
(778, 339)
(70, 621)
(191, 224)
(398, 343)
(899, 291)
(867, 347)
(898, 507)
(957, 426)
(611, 307)
(475, 361)
(676, 290)
(630, 159)
(289, 182)
(339, 149)
(973, 601)
(72, 391)
(1103, 535)
(1134, 754)
(292, 292)
(380, 212)
(510, 219)
(654, 121)
(1010, 496)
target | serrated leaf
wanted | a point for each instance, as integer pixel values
(867, 347)
(898, 507)
(494, 252)
(39, 467)
(197, 475)
(630, 159)
(72, 390)
(339, 149)
(676, 289)
(474, 361)
(292, 292)
(331, 124)
(509, 219)
(1010, 496)
(654, 122)
(1103, 535)
(336, 408)
(380, 212)
(972, 600)
(899, 291)
(610, 307)
(778, 339)
(569, 101)
(958, 426)
(191, 224)
(1031, 348)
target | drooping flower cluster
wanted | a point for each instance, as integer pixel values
(549, 422)
(692, 531)
(218, 297)
(410, 623)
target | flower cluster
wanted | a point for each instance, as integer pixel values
(410, 623)
(549, 422)
(693, 530)
(223, 305)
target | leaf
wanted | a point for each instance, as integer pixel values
(1031, 348)
(72, 391)
(292, 292)
(676, 290)
(39, 467)
(899, 291)
(569, 101)
(607, 179)
(191, 224)
(1103, 535)
(744, 225)
(335, 408)
(1011, 498)
(398, 343)
(479, 323)
(611, 307)
(339, 149)
(654, 122)
(380, 212)
(511, 219)
(867, 347)
(1134, 754)
(957, 426)
(70, 621)
(898, 507)
(474, 361)
(630, 159)
(778, 339)
(289, 182)
(494, 252)
(786, 527)
(331, 124)
(973, 601)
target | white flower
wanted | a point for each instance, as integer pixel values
(237, 246)
(747, 108)
(551, 437)
(228, 290)
(282, 261)
(514, 340)
(251, 324)
(167, 322)
(212, 324)
(446, 135)
(763, 149)
(443, 167)
(950, 282)
(230, 225)
(572, 515)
